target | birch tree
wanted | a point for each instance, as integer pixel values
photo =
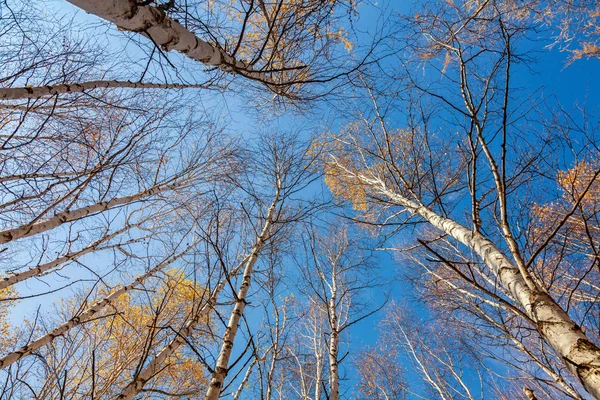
(500, 335)
(51, 64)
(281, 44)
(416, 174)
(286, 167)
(266, 374)
(335, 274)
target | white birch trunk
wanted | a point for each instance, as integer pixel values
(166, 33)
(51, 90)
(156, 365)
(44, 268)
(334, 382)
(221, 369)
(67, 216)
(85, 315)
(580, 355)
(319, 368)
(238, 392)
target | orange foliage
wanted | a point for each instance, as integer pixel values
(7, 333)
(563, 263)
(573, 183)
(137, 324)
(349, 161)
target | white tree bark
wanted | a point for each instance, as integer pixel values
(156, 365)
(67, 216)
(580, 355)
(221, 369)
(44, 268)
(319, 364)
(244, 382)
(334, 382)
(166, 33)
(86, 314)
(51, 90)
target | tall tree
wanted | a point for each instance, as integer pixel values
(285, 167)
(336, 272)
(471, 51)
(280, 44)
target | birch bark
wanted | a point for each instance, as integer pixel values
(9, 235)
(334, 385)
(51, 90)
(167, 33)
(221, 369)
(580, 355)
(43, 268)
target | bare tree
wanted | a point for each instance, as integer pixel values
(381, 375)
(287, 168)
(336, 273)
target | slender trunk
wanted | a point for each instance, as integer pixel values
(334, 385)
(85, 315)
(166, 33)
(156, 365)
(238, 392)
(51, 90)
(44, 268)
(422, 367)
(67, 216)
(271, 371)
(580, 355)
(319, 371)
(221, 369)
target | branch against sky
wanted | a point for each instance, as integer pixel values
(148, 175)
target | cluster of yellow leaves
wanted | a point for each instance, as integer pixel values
(341, 172)
(7, 332)
(136, 325)
(341, 36)
(277, 35)
(588, 50)
(579, 27)
(349, 156)
(573, 183)
(345, 186)
(579, 229)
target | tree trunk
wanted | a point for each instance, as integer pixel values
(221, 369)
(580, 355)
(334, 383)
(42, 269)
(244, 382)
(51, 90)
(166, 33)
(67, 216)
(156, 365)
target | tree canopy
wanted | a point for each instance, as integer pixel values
(299, 199)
